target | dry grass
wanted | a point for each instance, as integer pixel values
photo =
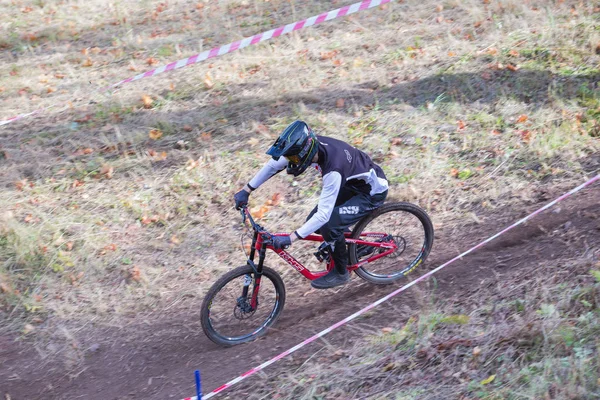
(100, 221)
(529, 340)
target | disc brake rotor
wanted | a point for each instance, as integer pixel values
(401, 243)
(243, 309)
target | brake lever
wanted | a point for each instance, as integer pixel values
(267, 238)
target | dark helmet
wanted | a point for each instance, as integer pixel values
(298, 144)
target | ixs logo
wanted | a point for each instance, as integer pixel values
(292, 261)
(348, 156)
(349, 210)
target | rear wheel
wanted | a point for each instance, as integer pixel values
(228, 316)
(404, 225)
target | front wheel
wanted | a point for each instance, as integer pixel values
(232, 315)
(403, 225)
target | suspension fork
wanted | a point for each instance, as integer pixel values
(257, 241)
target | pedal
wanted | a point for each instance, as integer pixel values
(323, 252)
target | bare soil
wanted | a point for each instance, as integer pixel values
(154, 357)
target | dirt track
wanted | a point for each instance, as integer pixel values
(155, 359)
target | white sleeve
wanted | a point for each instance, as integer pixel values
(268, 170)
(331, 188)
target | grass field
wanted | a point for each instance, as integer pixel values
(117, 205)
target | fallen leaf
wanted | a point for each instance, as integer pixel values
(147, 100)
(205, 136)
(451, 54)
(87, 62)
(328, 54)
(191, 164)
(389, 367)
(512, 67)
(522, 118)
(340, 103)
(387, 330)
(454, 172)
(208, 82)
(175, 240)
(514, 53)
(276, 199)
(135, 273)
(21, 184)
(110, 247)
(69, 246)
(155, 134)
(396, 141)
(489, 379)
(461, 125)
(525, 136)
(259, 213)
(107, 170)
(5, 288)
(151, 61)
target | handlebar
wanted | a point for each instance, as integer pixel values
(266, 236)
(246, 215)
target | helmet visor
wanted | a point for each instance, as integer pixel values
(294, 159)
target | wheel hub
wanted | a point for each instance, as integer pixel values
(243, 309)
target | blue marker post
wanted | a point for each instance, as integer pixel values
(198, 386)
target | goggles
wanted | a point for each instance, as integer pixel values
(294, 159)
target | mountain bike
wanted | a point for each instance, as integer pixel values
(383, 247)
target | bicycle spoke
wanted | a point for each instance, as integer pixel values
(231, 314)
(404, 226)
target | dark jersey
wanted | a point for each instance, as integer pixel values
(341, 165)
(356, 168)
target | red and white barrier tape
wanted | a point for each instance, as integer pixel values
(240, 44)
(18, 117)
(389, 296)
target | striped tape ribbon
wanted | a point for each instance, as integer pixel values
(240, 44)
(389, 296)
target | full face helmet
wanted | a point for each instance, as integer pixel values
(298, 144)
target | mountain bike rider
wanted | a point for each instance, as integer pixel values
(353, 186)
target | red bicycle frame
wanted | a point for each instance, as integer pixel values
(260, 245)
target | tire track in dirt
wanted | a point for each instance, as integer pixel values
(156, 359)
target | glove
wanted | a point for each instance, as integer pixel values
(241, 199)
(281, 242)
